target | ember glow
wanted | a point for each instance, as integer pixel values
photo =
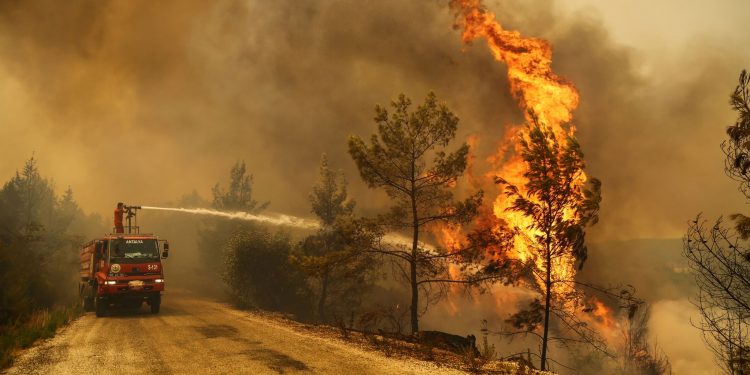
(603, 313)
(604, 320)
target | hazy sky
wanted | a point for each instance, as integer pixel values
(670, 24)
(144, 102)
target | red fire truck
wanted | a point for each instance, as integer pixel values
(122, 269)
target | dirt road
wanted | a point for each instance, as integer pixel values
(196, 336)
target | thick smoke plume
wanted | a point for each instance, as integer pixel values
(101, 90)
(146, 101)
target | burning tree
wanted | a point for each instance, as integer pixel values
(719, 257)
(548, 200)
(558, 206)
(408, 159)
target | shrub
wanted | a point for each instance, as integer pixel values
(259, 273)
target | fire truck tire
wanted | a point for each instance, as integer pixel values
(87, 304)
(155, 303)
(82, 297)
(100, 307)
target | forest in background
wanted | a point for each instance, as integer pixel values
(41, 232)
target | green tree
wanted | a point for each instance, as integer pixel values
(334, 255)
(737, 148)
(409, 159)
(237, 197)
(36, 196)
(329, 199)
(36, 248)
(259, 272)
(559, 208)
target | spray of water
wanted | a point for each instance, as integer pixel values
(278, 219)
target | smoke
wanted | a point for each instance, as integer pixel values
(668, 323)
(99, 91)
(146, 100)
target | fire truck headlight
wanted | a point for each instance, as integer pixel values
(110, 282)
(159, 280)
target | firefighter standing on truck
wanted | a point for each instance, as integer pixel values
(119, 211)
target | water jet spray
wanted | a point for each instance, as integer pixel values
(278, 219)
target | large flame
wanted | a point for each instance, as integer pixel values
(538, 91)
(551, 99)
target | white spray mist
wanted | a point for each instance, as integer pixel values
(279, 219)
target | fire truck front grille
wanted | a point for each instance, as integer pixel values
(141, 274)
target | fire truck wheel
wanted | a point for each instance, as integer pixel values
(155, 303)
(100, 307)
(87, 303)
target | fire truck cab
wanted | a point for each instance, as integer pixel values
(122, 269)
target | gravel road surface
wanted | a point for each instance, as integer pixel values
(197, 336)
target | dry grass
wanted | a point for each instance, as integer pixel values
(476, 361)
(41, 324)
(403, 347)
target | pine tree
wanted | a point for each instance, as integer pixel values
(237, 197)
(559, 208)
(409, 159)
(334, 255)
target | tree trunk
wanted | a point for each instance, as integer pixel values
(414, 286)
(413, 261)
(322, 299)
(413, 274)
(547, 297)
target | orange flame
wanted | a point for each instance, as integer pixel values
(604, 320)
(529, 61)
(604, 314)
(538, 91)
(449, 237)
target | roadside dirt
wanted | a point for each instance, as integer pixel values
(197, 336)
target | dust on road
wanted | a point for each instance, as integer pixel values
(197, 336)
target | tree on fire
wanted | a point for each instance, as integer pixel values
(333, 256)
(408, 158)
(719, 257)
(559, 208)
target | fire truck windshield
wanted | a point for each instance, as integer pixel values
(124, 250)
